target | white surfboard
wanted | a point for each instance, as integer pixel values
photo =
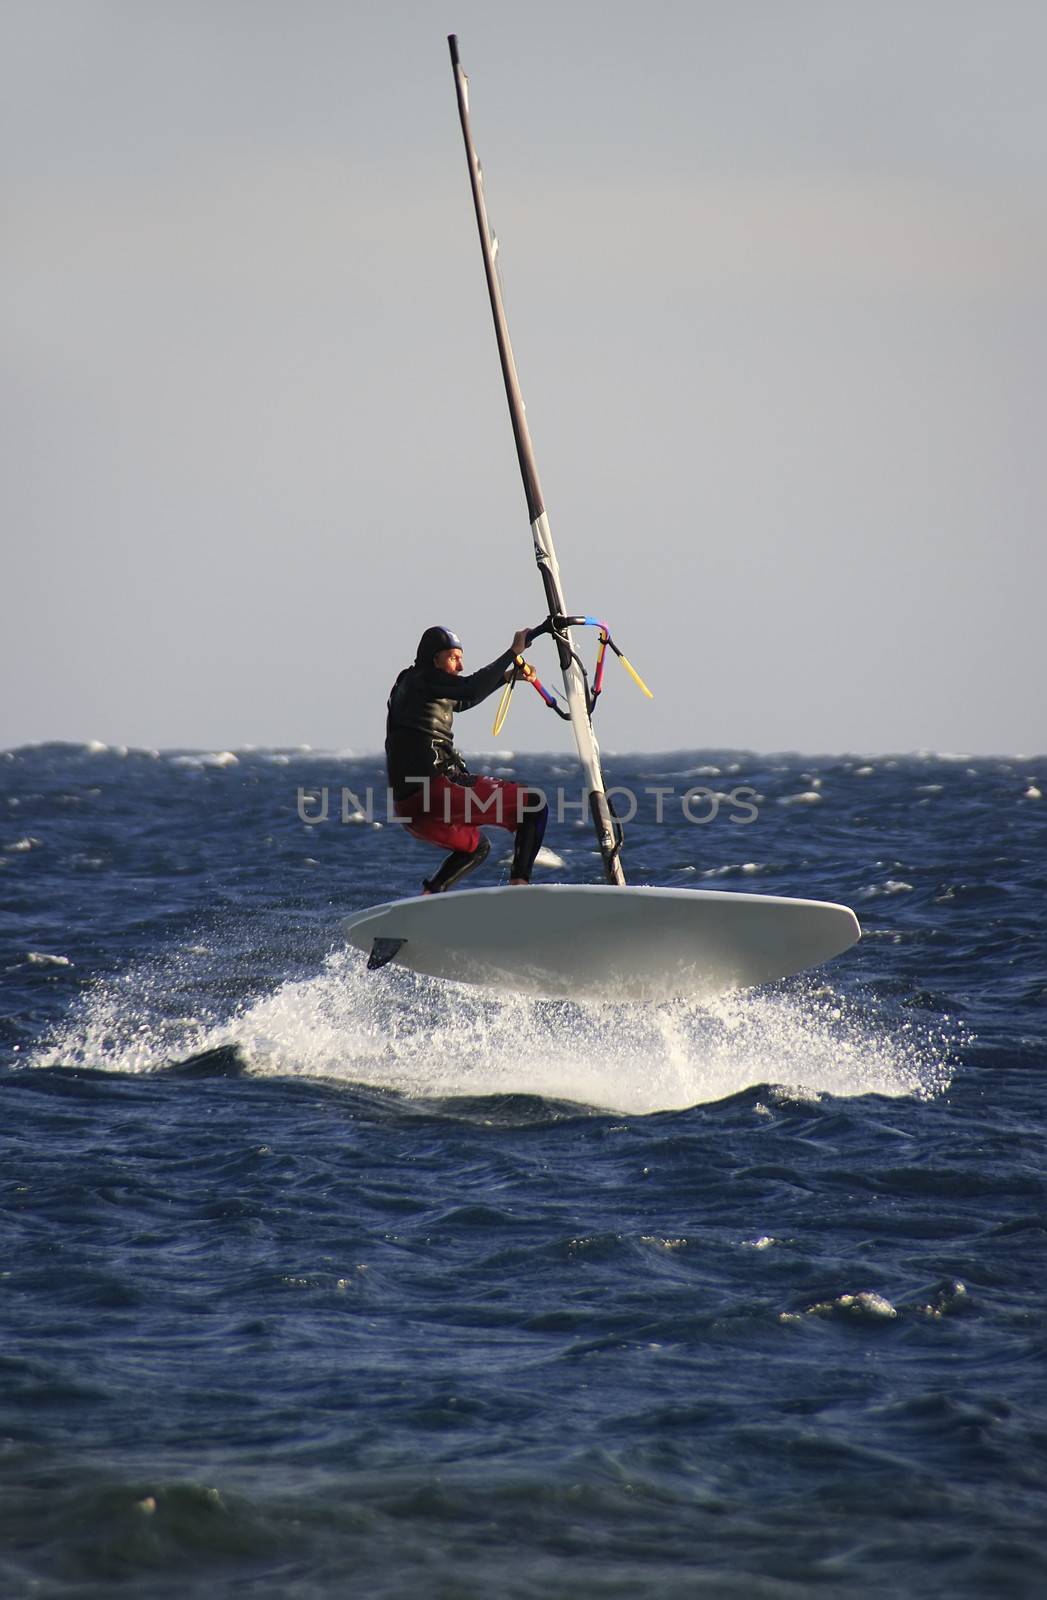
(604, 942)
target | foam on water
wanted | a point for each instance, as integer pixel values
(422, 1038)
(207, 758)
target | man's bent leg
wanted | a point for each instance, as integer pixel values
(529, 836)
(458, 864)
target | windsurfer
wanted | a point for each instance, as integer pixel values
(442, 801)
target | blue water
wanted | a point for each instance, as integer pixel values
(318, 1283)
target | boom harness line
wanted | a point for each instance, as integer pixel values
(557, 626)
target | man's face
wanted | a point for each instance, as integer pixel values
(448, 660)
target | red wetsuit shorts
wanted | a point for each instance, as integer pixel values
(451, 815)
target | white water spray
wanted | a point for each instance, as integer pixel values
(399, 1031)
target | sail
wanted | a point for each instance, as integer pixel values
(608, 831)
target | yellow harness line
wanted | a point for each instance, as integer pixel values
(503, 706)
(520, 670)
(631, 670)
(605, 640)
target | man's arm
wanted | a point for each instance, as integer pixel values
(468, 691)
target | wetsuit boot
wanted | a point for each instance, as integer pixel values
(458, 864)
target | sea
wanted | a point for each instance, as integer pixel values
(316, 1282)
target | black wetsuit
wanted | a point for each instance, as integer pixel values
(419, 745)
(419, 733)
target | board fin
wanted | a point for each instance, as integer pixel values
(382, 952)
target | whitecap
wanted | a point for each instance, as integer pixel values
(892, 886)
(731, 869)
(864, 1306)
(952, 1296)
(348, 755)
(40, 958)
(544, 858)
(207, 758)
(809, 797)
(868, 1304)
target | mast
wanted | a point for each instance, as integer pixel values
(608, 831)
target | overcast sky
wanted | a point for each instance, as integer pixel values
(776, 273)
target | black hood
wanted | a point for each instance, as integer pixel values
(434, 640)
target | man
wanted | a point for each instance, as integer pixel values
(445, 803)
